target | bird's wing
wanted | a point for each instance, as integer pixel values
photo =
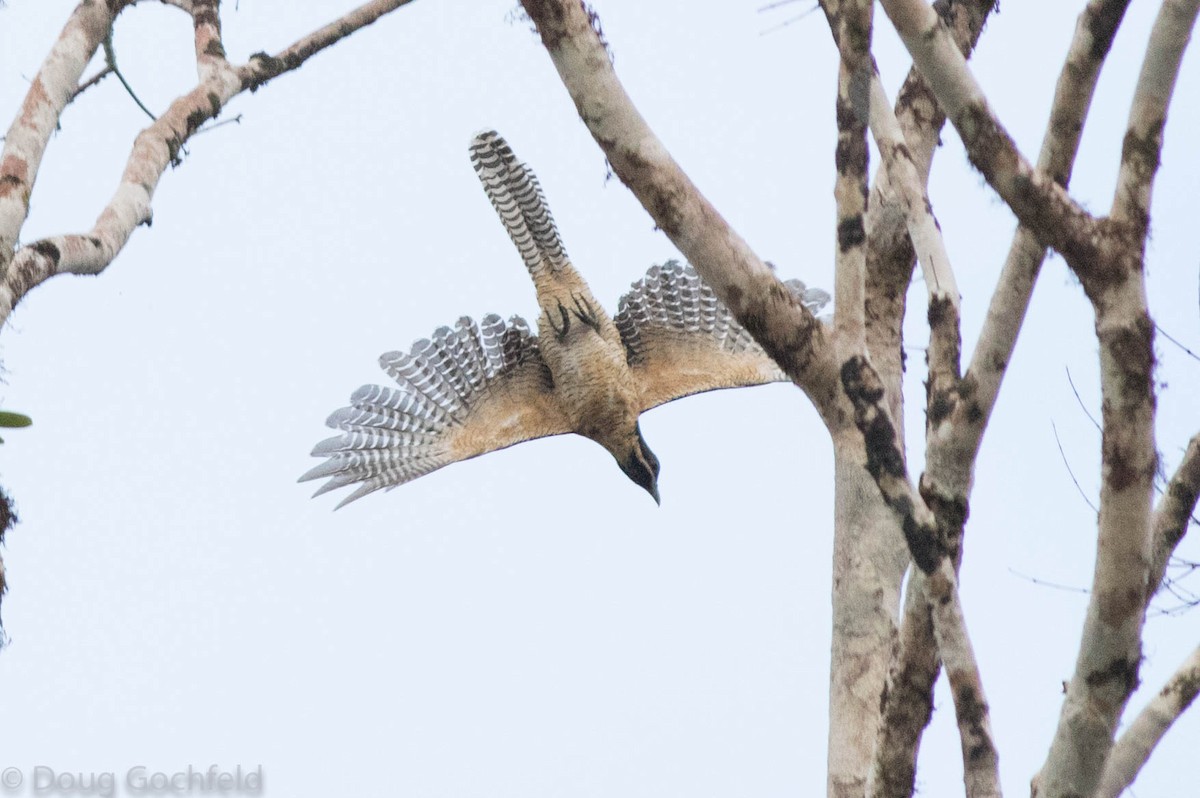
(468, 391)
(517, 197)
(680, 339)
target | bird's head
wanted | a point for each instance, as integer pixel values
(640, 464)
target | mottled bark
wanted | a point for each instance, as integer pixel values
(1133, 748)
(1106, 671)
(1173, 515)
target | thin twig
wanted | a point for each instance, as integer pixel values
(1063, 455)
(110, 57)
(92, 81)
(1079, 399)
(1168, 336)
(1046, 583)
(237, 120)
(780, 4)
(789, 21)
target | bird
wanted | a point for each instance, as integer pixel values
(475, 388)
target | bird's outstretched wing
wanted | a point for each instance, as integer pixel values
(517, 197)
(468, 391)
(680, 339)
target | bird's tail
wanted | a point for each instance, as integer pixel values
(517, 197)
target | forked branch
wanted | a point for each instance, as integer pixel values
(958, 411)
(154, 149)
(1106, 672)
(1040, 203)
(52, 88)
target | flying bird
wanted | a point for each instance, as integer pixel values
(476, 388)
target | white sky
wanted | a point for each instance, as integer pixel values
(529, 623)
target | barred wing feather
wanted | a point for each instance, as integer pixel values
(467, 391)
(680, 339)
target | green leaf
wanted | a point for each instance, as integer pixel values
(9, 419)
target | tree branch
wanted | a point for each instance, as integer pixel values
(908, 699)
(981, 764)
(1173, 515)
(1098, 253)
(1148, 115)
(869, 559)
(885, 463)
(104, 72)
(890, 255)
(1106, 672)
(110, 58)
(953, 438)
(262, 67)
(851, 22)
(154, 149)
(210, 52)
(974, 401)
(51, 89)
(1135, 745)
(781, 324)
(945, 339)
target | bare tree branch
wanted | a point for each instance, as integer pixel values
(954, 437)
(851, 22)
(906, 180)
(1073, 93)
(890, 256)
(110, 57)
(51, 89)
(93, 80)
(154, 149)
(1173, 515)
(979, 755)
(885, 462)
(945, 338)
(868, 563)
(1148, 116)
(262, 67)
(1107, 258)
(1106, 671)
(1098, 253)
(907, 701)
(1135, 745)
(210, 52)
(788, 332)
(981, 763)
